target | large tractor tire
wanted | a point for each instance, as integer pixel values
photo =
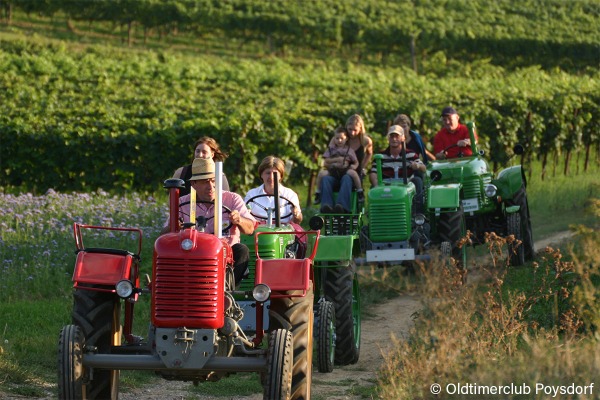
(70, 363)
(520, 199)
(516, 251)
(295, 314)
(341, 288)
(451, 229)
(325, 336)
(98, 315)
(280, 358)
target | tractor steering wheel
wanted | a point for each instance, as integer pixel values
(224, 207)
(288, 201)
(460, 153)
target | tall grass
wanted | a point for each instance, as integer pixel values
(501, 332)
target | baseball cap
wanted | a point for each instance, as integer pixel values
(448, 111)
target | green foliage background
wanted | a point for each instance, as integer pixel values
(81, 117)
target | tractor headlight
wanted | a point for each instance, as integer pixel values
(261, 292)
(490, 190)
(187, 244)
(419, 219)
(124, 288)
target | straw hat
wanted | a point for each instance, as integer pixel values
(202, 168)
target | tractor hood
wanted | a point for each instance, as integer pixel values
(459, 169)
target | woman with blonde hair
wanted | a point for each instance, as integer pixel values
(362, 145)
(205, 147)
(262, 198)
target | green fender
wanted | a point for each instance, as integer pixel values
(335, 248)
(512, 209)
(509, 181)
(444, 196)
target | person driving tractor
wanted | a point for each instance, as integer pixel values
(203, 181)
(453, 140)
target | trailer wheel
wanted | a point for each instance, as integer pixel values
(520, 199)
(296, 315)
(325, 336)
(516, 251)
(451, 228)
(98, 315)
(70, 363)
(278, 381)
(341, 288)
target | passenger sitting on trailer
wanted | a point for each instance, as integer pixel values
(203, 180)
(393, 155)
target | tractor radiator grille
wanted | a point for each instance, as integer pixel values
(248, 282)
(388, 223)
(472, 189)
(188, 292)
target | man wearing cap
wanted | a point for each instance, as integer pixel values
(452, 133)
(393, 154)
(203, 180)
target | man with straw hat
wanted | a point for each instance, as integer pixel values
(203, 181)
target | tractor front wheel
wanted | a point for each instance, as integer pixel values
(516, 250)
(341, 288)
(451, 228)
(278, 381)
(520, 199)
(70, 363)
(295, 314)
(98, 315)
(326, 336)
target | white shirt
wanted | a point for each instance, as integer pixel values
(285, 207)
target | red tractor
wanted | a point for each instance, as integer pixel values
(194, 333)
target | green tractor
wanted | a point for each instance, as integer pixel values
(393, 231)
(489, 204)
(336, 276)
(276, 240)
(459, 194)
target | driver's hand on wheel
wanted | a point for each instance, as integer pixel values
(235, 217)
(464, 143)
(441, 155)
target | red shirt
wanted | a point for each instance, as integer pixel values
(444, 138)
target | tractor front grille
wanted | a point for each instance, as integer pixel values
(188, 292)
(389, 222)
(473, 189)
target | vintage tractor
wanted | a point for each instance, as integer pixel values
(336, 276)
(194, 333)
(490, 204)
(393, 232)
(286, 241)
(460, 194)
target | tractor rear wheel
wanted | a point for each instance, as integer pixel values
(295, 314)
(326, 336)
(70, 363)
(520, 199)
(451, 228)
(278, 381)
(516, 251)
(98, 315)
(341, 288)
